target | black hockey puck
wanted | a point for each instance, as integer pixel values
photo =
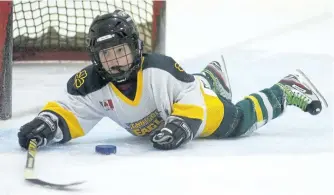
(105, 149)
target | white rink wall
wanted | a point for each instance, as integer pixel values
(197, 26)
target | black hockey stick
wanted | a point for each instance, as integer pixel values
(29, 170)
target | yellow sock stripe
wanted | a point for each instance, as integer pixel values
(72, 122)
(188, 110)
(258, 110)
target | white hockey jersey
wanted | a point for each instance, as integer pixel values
(163, 89)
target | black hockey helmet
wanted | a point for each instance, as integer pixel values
(110, 30)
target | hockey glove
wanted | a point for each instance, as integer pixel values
(175, 133)
(42, 128)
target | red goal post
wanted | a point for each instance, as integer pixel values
(6, 48)
(33, 30)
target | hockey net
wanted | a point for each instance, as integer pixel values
(33, 30)
(57, 30)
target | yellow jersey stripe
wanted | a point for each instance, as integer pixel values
(71, 121)
(189, 111)
(139, 90)
(215, 114)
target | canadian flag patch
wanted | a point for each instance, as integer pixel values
(107, 104)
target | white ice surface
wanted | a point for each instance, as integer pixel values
(291, 155)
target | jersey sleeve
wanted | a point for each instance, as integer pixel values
(76, 110)
(179, 94)
(76, 115)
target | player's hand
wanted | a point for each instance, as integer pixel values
(42, 128)
(175, 133)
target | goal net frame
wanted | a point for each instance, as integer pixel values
(35, 31)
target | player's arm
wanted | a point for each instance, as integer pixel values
(73, 115)
(181, 97)
(76, 115)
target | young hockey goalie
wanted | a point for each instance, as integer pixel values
(151, 95)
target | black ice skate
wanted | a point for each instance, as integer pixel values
(301, 92)
(218, 79)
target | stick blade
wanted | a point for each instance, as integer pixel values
(53, 185)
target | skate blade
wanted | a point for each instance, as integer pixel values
(223, 65)
(314, 89)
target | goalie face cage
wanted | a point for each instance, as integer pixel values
(57, 30)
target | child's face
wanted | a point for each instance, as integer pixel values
(116, 58)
